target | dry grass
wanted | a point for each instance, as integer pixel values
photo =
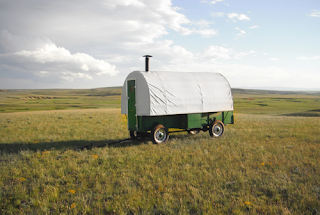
(263, 165)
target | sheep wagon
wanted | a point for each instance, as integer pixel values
(155, 102)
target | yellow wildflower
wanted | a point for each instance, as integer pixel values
(248, 203)
(262, 164)
(95, 156)
(73, 205)
(22, 179)
(72, 191)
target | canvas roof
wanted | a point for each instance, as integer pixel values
(169, 93)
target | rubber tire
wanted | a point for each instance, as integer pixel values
(216, 125)
(193, 132)
(155, 132)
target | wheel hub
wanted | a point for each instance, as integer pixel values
(160, 135)
(217, 130)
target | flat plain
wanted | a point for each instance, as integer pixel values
(266, 163)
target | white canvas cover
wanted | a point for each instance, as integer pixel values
(168, 93)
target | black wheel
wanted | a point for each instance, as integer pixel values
(216, 129)
(193, 132)
(159, 134)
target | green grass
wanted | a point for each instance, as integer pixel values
(276, 102)
(35, 100)
(245, 101)
(264, 164)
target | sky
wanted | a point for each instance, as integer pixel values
(265, 44)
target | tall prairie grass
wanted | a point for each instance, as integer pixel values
(262, 165)
(50, 128)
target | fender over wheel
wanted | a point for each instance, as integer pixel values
(159, 134)
(216, 129)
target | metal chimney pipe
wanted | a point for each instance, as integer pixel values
(147, 62)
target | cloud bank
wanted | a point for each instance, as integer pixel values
(42, 57)
(65, 40)
(82, 44)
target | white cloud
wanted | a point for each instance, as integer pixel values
(217, 14)
(81, 43)
(59, 57)
(240, 55)
(242, 32)
(315, 13)
(177, 8)
(111, 23)
(234, 16)
(214, 53)
(243, 17)
(212, 1)
(73, 41)
(130, 20)
(12, 43)
(114, 4)
(207, 32)
(273, 59)
(309, 58)
(246, 75)
(252, 27)
(168, 57)
(204, 29)
(202, 23)
(238, 75)
(44, 58)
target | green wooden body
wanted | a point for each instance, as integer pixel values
(183, 121)
(132, 118)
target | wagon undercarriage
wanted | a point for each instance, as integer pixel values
(159, 127)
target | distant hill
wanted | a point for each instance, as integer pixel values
(259, 92)
(107, 91)
(245, 100)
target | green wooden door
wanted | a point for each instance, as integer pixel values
(132, 118)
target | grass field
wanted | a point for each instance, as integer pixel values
(266, 163)
(35, 100)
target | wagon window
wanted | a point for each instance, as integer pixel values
(131, 89)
